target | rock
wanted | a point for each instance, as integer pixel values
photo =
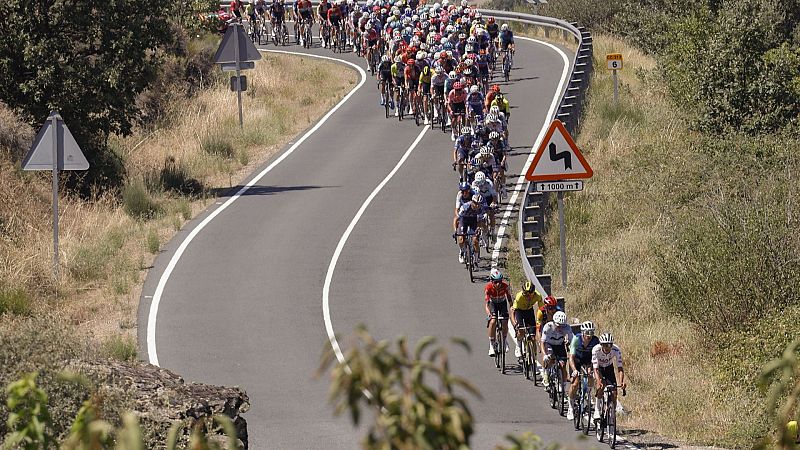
(160, 399)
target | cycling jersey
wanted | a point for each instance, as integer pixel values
(506, 37)
(525, 301)
(497, 293)
(467, 211)
(541, 316)
(486, 190)
(461, 200)
(425, 75)
(457, 97)
(502, 104)
(493, 30)
(475, 100)
(601, 359)
(553, 334)
(581, 351)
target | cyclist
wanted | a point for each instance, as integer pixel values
(305, 9)
(335, 19)
(456, 105)
(555, 337)
(580, 358)
(277, 12)
(468, 216)
(384, 75)
(322, 15)
(484, 186)
(438, 80)
(462, 151)
(546, 312)
(502, 103)
(506, 37)
(523, 310)
(605, 356)
(493, 29)
(498, 296)
(491, 94)
(398, 77)
(425, 77)
(464, 196)
(411, 73)
(475, 103)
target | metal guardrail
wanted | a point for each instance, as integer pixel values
(530, 220)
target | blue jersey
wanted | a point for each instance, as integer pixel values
(507, 37)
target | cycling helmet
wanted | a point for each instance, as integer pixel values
(471, 40)
(468, 48)
(477, 198)
(398, 59)
(420, 56)
(462, 36)
(464, 186)
(606, 338)
(560, 318)
(473, 89)
(494, 110)
(587, 327)
(467, 132)
(504, 27)
(495, 88)
(485, 151)
(480, 177)
(490, 118)
(478, 14)
(452, 75)
(491, 19)
(494, 135)
(458, 85)
(464, 3)
(386, 58)
(495, 275)
(527, 287)
(550, 301)
(467, 72)
(410, 61)
(414, 18)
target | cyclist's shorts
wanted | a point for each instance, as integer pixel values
(558, 350)
(335, 21)
(412, 85)
(278, 18)
(504, 45)
(586, 362)
(484, 70)
(438, 90)
(501, 308)
(305, 14)
(458, 108)
(525, 315)
(608, 375)
(399, 81)
(253, 17)
(426, 88)
(476, 108)
(385, 76)
(469, 224)
(372, 43)
(462, 153)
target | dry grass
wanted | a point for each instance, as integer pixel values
(104, 251)
(614, 227)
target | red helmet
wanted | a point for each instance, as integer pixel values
(495, 88)
(458, 85)
(410, 61)
(550, 301)
(491, 19)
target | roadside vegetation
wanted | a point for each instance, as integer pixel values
(684, 243)
(164, 142)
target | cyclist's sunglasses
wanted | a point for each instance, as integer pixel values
(550, 308)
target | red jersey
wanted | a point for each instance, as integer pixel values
(497, 292)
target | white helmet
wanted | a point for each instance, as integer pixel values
(386, 58)
(464, 3)
(471, 39)
(587, 327)
(452, 75)
(473, 89)
(480, 177)
(606, 338)
(560, 318)
(485, 151)
(504, 27)
(494, 110)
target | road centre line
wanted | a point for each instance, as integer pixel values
(326, 288)
(152, 352)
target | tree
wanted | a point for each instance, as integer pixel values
(410, 410)
(88, 60)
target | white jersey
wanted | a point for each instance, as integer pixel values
(486, 190)
(603, 359)
(553, 334)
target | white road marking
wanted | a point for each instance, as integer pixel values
(326, 288)
(521, 180)
(152, 352)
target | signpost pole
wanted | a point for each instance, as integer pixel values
(616, 89)
(562, 239)
(54, 129)
(238, 76)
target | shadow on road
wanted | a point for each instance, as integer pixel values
(261, 190)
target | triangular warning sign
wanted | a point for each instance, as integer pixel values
(226, 53)
(69, 154)
(558, 158)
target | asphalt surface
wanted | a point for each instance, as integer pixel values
(243, 304)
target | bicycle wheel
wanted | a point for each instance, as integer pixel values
(577, 411)
(587, 413)
(470, 261)
(531, 353)
(417, 115)
(551, 389)
(600, 426)
(562, 404)
(386, 101)
(498, 333)
(611, 426)
(526, 357)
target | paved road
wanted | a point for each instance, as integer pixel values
(242, 306)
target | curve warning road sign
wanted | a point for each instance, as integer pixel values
(558, 158)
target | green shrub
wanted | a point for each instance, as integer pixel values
(217, 146)
(89, 261)
(153, 242)
(121, 347)
(174, 177)
(137, 202)
(15, 301)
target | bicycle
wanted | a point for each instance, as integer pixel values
(308, 36)
(402, 102)
(325, 33)
(500, 343)
(419, 112)
(468, 252)
(387, 99)
(508, 61)
(582, 407)
(528, 351)
(555, 389)
(607, 424)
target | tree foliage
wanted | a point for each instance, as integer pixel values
(88, 60)
(412, 396)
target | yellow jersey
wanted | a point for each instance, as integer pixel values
(524, 302)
